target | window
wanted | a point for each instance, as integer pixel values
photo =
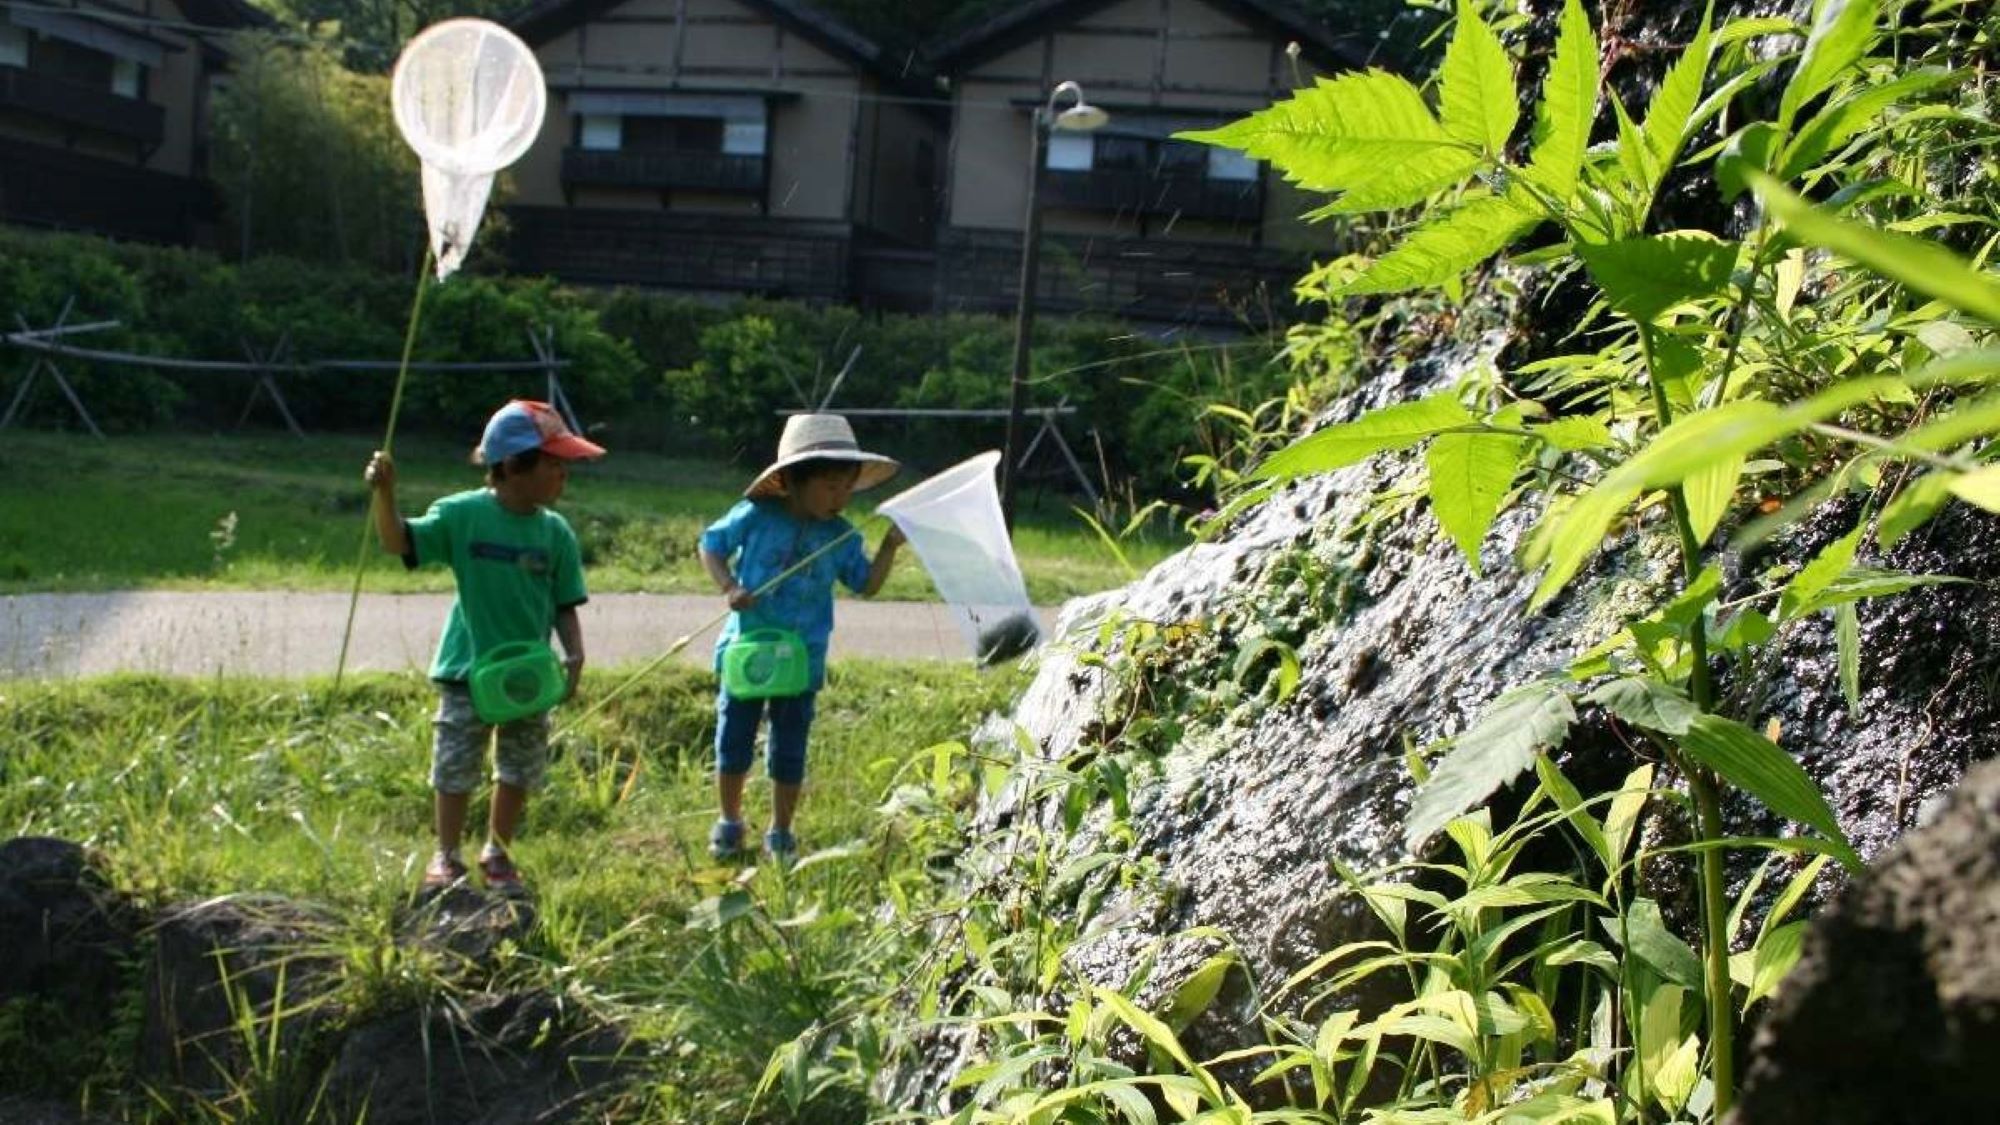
(673, 134)
(13, 45)
(601, 133)
(1144, 145)
(125, 78)
(1231, 165)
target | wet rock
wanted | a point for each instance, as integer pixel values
(67, 941)
(1893, 1013)
(495, 1060)
(218, 964)
(41, 1111)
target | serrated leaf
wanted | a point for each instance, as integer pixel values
(1446, 246)
(1497, 749)
(1847, 640)
(1399, 426)
(1470, 474)
(1922, 266)
(1842, 32)
(1575, 433)
(1567, 108)
(1755, 764)
(1646, 702)
(1338, 132)
(1981, 487)
(1672, 108)
(1402, 185)
(1476, 85)
(1644, 277)
(1912, 508)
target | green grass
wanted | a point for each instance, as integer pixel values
(189, 789)
(149, 511)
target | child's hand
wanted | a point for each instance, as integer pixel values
(573, 671)
(381, 472)
(895, 538)
(739, 598)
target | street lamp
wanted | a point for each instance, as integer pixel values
(1080, 117)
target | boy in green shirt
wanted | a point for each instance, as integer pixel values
(519, 575)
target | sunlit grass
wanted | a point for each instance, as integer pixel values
(152, 511)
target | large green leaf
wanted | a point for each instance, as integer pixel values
(1643, 932)
(1842, 32)
(1568, 106)
(1470, 475)
(1446, 246)
(1672, 108)
(1708, 493)
(1756, 765)
(1569, 534)
(1392, 427)
(1644, 277)
(1646, 702)
(1502, 744)
(1981, 487)
(1927, 268)
(1477, 85)
(1912, 508)
(1403, 185)
(1337, 133)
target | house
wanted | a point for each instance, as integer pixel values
(1135, 224)
(103, 113)
(727, 146)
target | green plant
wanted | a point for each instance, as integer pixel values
(1678, 407)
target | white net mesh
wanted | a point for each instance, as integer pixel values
(954, 523)
(469, 98)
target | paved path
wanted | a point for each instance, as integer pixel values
(298, 634)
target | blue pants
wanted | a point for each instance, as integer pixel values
(784, 746)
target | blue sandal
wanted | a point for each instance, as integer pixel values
(781, 845)
(725, 839)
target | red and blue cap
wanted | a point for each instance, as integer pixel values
(522, 425)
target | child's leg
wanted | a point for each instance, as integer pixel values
(785, 755)
(458, 755)
(520, 762)
(735, 739)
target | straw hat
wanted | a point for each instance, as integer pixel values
(809, 437)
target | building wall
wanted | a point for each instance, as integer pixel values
(1163, 56)
(720, 45)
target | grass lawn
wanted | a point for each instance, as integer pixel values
(155, 511)
(189, 789)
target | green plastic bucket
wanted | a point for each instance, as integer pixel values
(515, 680)
(766, 664)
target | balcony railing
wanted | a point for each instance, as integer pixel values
(81, 106)
(1190, 196)
(685, 171)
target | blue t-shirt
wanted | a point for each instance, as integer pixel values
(760, 540)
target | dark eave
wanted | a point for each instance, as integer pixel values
(540, 22)
(224, 14)
(1023, 22)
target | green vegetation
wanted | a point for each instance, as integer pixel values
(273, 512)
(191, 790)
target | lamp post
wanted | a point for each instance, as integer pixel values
(1079, 117)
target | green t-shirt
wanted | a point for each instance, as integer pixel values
(514, 572)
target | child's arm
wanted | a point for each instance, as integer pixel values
(885, 559)
(719, 573)
(389, 527)
(569, 631)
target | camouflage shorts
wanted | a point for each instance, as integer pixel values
(458, 748)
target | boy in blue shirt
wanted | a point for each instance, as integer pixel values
(519, 575)
(790, 511)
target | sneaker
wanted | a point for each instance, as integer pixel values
(445, 869)
(500, 873)
(725, 839)
(781, 845)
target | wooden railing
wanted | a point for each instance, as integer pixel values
(686, 171)
(51, 187)
(81, 106)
